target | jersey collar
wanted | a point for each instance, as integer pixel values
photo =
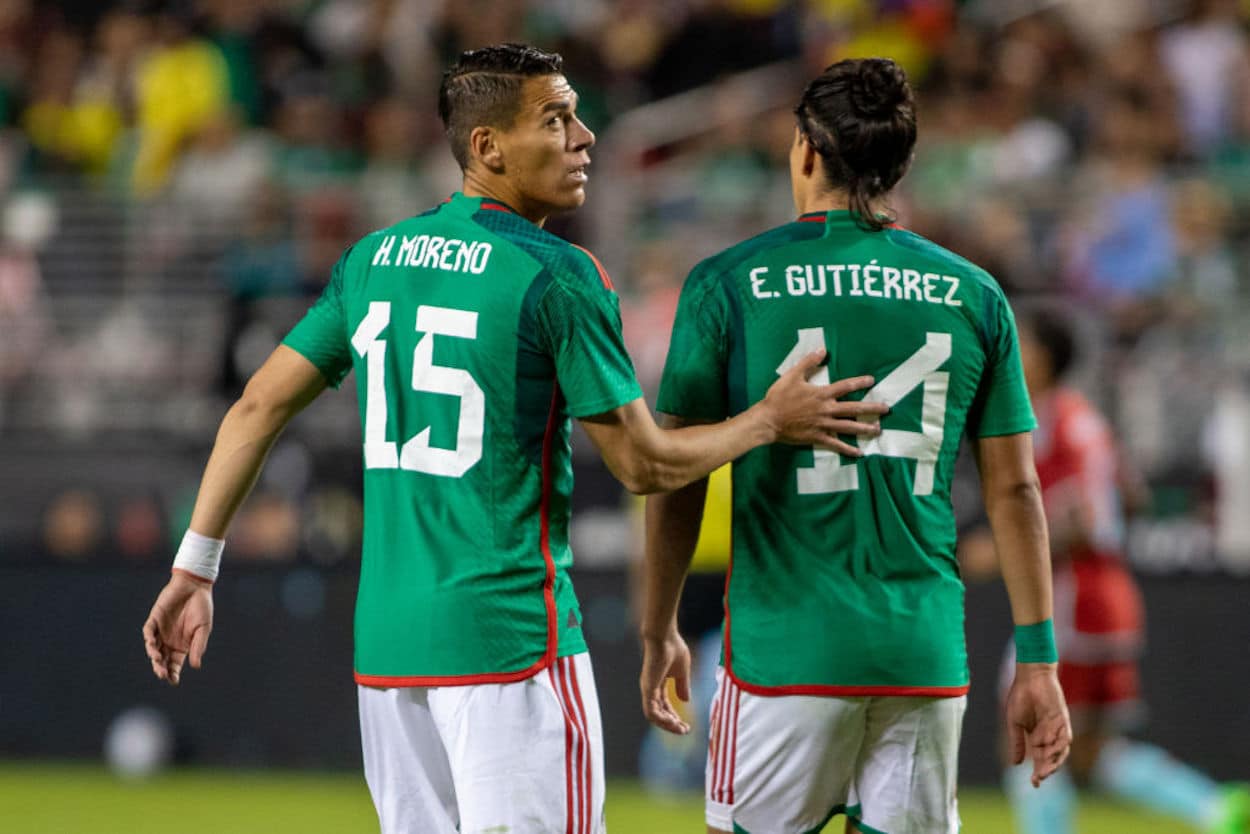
(481, 203)
(834, 217)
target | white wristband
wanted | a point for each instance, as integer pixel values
(199, 556)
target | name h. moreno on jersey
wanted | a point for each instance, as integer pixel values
(871, 280)
(433, 252)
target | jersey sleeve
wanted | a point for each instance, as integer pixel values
(321, 336)
(695, 380)
(1002, 405)
(580, 317)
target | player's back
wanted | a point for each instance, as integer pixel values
(844, 578)
(457, 320)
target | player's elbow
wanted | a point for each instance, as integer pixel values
(1021, 489)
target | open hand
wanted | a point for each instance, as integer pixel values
(1038, 725)
(812, 413)
(178, 626)
(661, 660)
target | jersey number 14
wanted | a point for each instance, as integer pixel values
(416, 453)
(828, 473)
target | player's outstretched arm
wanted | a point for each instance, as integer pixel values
(647, 459)
(182, 617)
(1038, 725)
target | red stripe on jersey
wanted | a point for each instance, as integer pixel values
(851, 691)
(815, 218)
(490, 205)
(588, 770)
(603, 273)
(544, 535)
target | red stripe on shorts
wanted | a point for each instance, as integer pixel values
(588, 770)
(713, 752)
(578, 819)
(733, 744)
(568, 752)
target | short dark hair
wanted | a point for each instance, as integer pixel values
(483, 87)
(1052, 330)
(860, 116)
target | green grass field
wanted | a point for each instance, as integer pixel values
(85, 799)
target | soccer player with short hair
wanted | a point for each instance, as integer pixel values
(1099, 618)
(475, 337)
(844, 669)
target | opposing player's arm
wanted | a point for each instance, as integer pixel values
(672, 532)
(181, 620)
(646, 458)
(1037, 716)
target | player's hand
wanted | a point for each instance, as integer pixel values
(178, 626)
(814, 415)
(665, 658)
(1038, 725)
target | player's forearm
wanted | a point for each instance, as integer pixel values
(673, 521)
(246, 435)
(1018, 522)
(669, 459)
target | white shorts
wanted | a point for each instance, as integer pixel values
(523, 757)
(786, 764)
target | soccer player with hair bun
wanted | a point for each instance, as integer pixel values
(476, 337)
(844, 671)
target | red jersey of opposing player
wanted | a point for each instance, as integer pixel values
(1098, 610)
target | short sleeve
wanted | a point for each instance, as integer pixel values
(695, 380)
(321, 336)
(581, 326)
(1002, 405)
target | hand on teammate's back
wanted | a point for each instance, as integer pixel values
(1038, 725)
(661, 660)
(804, 414)
(178, 625)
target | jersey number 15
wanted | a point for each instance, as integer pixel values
(828, 473)
(416, 453)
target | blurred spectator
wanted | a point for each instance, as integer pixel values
(73, 525)
(314, 151)
(267, 529)
(28, 222)
(183, 84)
(393, 184)
(1208, 61)
(138, 531)
(220, 175)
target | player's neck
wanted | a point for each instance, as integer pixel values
(822, 201)
(491, 188)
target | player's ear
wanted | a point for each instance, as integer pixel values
(809, 155)
(484, 146)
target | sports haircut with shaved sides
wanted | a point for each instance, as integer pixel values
(483, 88)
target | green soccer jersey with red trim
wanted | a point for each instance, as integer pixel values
(843, 579)
(475, 337)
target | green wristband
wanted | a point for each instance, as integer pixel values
(1036, 643)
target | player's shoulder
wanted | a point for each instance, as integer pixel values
(727, 260)
(942, 259)
(562, 261)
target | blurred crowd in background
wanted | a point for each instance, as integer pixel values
(177, 179)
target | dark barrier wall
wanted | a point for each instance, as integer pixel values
(277, 687)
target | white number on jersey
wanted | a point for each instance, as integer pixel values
(828, 473)
(416, 453)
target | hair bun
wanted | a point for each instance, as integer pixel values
(877, 89)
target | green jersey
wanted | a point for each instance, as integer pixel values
(475, 336)
(843, 579)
